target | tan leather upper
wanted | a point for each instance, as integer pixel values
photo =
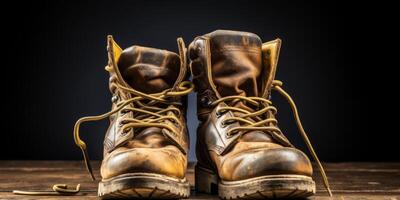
(149, 70)
(148, 149)
(232, 63)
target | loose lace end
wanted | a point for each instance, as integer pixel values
(87, 163)
(58, 189)
(277, 86)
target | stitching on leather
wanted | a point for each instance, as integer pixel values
(239, 48)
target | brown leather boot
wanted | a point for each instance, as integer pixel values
(146, 144)
(241, 151)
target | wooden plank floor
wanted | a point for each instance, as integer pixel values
(348, 180)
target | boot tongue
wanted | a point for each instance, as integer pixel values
(149, 70)
(236, 62)
(236, 59)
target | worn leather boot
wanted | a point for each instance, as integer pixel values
(241, 151)
(146, 144)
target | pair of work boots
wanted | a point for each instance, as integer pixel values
(241, 152)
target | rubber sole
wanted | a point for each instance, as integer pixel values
(272, 186)
(144, 186)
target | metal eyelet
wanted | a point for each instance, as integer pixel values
(177, 113)
(121, 123)
(229, 135)
(205, 101)
(124, 112)
(223, 125)
(114, 99)
(175, 123)
(125, 131)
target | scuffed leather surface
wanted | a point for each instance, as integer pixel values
(149, 150)
(167, 160)
(236, 62)
(149, 70)
(249, 160)
(238, 67)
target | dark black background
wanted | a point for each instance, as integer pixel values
(55, 53)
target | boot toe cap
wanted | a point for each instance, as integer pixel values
(262, 162)
(167, 161)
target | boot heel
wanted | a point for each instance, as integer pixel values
(206, 181)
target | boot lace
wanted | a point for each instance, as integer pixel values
(147, 113)
(263, 119)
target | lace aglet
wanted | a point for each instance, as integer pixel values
(329, 192)
(93, 178)
(89, 168)
(87, 163)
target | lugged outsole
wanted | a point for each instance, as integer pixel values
(270, 187)
(144, 186)
(282, 186)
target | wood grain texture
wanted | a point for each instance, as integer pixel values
(348, 180)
